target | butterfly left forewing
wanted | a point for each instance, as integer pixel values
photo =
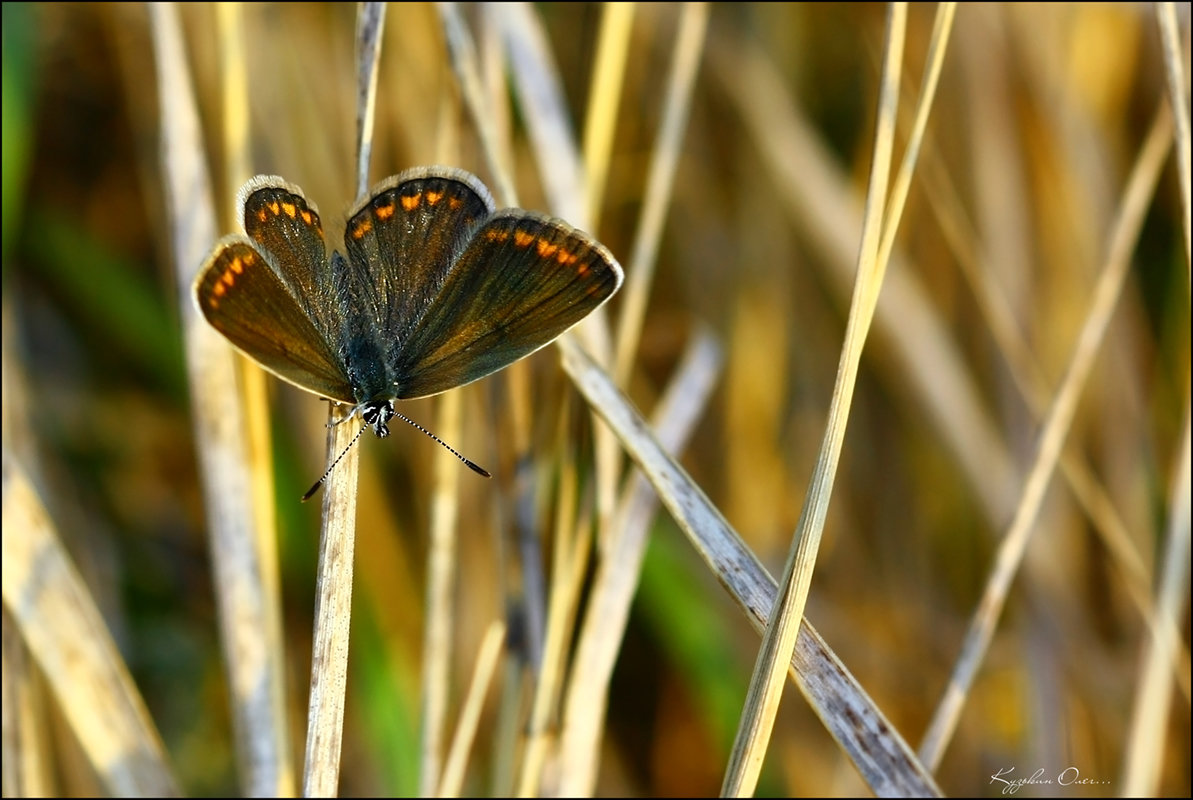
(522, 280)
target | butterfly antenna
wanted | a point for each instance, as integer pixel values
(311, 492)
(477, 468)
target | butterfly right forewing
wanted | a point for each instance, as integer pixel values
(240, 292)
(523, 279)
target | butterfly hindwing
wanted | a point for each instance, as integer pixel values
(278, 217)
(402, 241)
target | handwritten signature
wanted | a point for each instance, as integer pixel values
(1070, 776)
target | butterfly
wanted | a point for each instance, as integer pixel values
(435, 288)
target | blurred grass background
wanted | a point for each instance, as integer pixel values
(1041, 113)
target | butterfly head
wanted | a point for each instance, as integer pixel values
(377, 413)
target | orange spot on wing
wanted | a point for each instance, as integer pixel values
(454, 203)
(546, 249)
(290, 210)
(566, 257)
(384, 212)
(410, 202)
(522, 238)
(433, 198)
(496, 236)
(361, 229)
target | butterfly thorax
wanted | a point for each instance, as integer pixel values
(365, 364)
(373, 387)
